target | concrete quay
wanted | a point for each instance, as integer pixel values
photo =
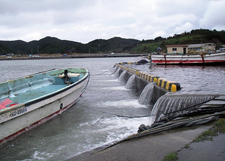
(149, 148)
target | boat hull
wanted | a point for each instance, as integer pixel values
(23, 117)
(208, 59)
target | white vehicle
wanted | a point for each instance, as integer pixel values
(220, 50)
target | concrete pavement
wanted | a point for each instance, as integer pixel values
(148, 148)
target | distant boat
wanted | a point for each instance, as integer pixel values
(29, 101)
(186, 59)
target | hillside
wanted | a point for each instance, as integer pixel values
(115, 44)
(52, 45)
(194, 37)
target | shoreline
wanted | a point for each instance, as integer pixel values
(76, 56)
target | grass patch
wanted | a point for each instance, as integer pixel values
(173, 156)
(219, 127)
(207, 135)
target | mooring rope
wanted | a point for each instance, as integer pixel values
(83, 90)
(103, 73)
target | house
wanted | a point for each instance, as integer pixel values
(184, 49)
(202, 47)
(177, 49)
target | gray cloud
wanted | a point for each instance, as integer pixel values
(87, 20)
(213, 17)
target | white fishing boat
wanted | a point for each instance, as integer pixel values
(29, 101)
(187, 59)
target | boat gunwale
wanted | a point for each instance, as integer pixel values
(221, 63)
(58, 91)
(186, 55)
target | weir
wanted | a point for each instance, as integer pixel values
(172, 106)
(147, 94)
(149, 91)
(117, 70)
(122, 75)
(160, 95)
(131, 83)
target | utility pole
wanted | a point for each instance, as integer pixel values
(99, 48)
(37, 49)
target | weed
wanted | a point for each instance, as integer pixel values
(219, 127)
(173, 156)
(187, 146)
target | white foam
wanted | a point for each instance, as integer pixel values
(42, 155)
(107, 130)
(93, 122)
(119, 128)
(104, 70)
(122, 104)
(111, 80)
(118, 122)
(117, 88)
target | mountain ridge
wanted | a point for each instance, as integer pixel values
(52, 45)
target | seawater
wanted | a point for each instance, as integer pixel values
(106, 112)
(193, 79)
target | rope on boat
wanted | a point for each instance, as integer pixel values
(83, 90)
(45, 71)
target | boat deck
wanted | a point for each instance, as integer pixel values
(26, 89)
(35, 93)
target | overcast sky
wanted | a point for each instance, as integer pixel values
(87, 20)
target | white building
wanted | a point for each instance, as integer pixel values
(202, 47)
(184, 49)
(177, 49)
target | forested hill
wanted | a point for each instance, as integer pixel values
(193, 37)
(52, 45)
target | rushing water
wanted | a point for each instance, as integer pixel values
(131, 84)
(121, 78)
(146, 94)
(170, 105)
(107, 111)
